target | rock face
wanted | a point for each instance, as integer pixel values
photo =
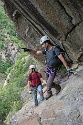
(64, 109)
(62, 20)
(10, 53)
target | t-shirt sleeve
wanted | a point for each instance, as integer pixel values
(58, 51)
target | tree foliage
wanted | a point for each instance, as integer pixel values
(10, 100)
(4, 66)
(10, 96)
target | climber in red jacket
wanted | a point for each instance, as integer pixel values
(35, 84)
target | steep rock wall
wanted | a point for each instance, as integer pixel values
(62, 20)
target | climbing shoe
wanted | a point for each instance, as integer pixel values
(57, 91)
(48, 95)
(57, 87)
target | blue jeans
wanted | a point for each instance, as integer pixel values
(34, 92)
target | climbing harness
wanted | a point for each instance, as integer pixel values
(67, 75)
(50, 72)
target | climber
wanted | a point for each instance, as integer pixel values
(35, 84)
(52, 60)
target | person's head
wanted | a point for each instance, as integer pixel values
(32, 68)
(45, 41)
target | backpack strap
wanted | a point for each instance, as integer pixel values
(63, 52)
(57, 46)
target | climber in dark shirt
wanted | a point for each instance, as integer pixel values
(52, 62)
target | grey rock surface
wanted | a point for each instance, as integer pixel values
(61, 20)
(64, 109)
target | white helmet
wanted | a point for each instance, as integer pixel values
(43, 39)
(32, 67)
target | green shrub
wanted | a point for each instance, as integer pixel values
(9, 98)
(4, 66)
(1, 45)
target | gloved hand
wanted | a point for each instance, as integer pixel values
(26, 49)
(30, 92)
(69, 69)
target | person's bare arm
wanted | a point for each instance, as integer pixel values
(35, 52)
(29, 85)
(63, 60)
(42, 80)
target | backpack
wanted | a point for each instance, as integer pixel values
(34, 78)
(58, 62)
(63, 53)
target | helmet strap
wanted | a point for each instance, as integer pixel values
(47, 46)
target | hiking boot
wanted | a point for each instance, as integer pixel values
(56, 86)
(58, 90)
(48, 95)
(36, 105)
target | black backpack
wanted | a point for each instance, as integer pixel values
(65, 54)
(62, 51)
